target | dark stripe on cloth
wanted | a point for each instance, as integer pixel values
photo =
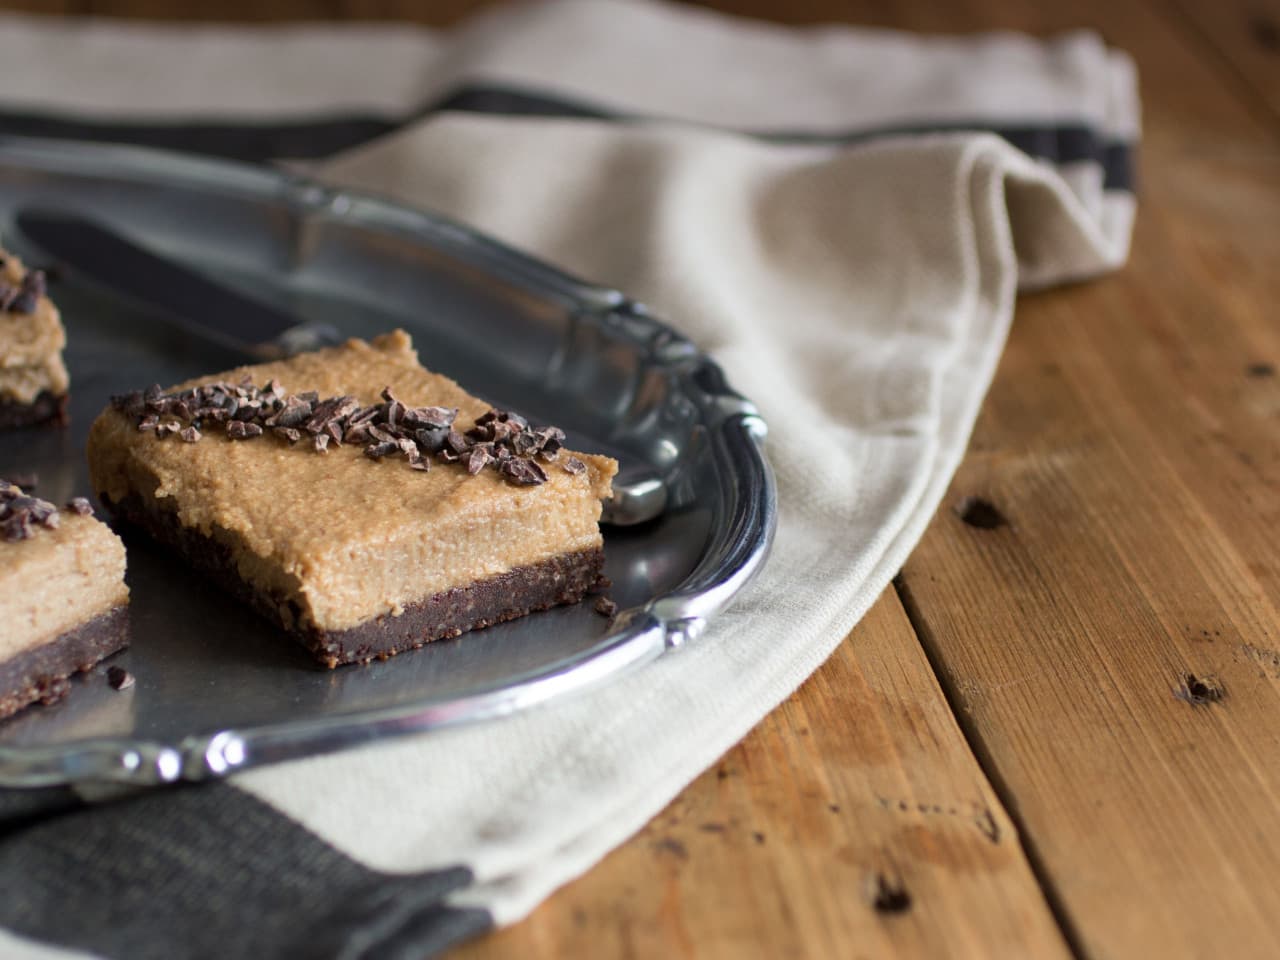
(318, 137)
(211, 872)
(19, 807)
(244, 140)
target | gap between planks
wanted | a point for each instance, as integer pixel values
(991, 770)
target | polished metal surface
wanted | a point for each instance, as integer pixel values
(218, 689)
(186, 296)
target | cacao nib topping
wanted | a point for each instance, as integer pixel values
(363, 415)
(523, 471)
(431, 439)
(130, 404)
(294, 414)
(524, 444)
(478, 459)
(40, 510)
(391, 429)
(21, 514)
(457, 443)
(328, 416)
(242, 430)
(432, 418)
(23, 296)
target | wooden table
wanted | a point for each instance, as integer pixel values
(1059, 735)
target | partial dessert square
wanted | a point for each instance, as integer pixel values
(33, 378)
(63, 599)
(361, 502)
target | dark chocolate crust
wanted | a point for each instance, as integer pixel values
(43, 673)
(540, 586)
(46, 409)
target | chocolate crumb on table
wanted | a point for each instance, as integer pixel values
(119, 678)
(63, 599)
(368, 507)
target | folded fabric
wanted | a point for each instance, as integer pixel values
(841, 216)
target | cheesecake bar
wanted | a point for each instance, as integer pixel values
(63, 599)
(361, 502)
(33, 379)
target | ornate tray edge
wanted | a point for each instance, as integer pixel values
(742, 527)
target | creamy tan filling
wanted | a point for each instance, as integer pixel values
(30, 345)
(24, 384)
(57, 580)
(347, 538)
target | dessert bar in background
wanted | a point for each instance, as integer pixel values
(33, 379)
(360, 501)
(63, 599)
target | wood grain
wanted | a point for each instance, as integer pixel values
(858, 787)
(1131, 442)
(1246, 36)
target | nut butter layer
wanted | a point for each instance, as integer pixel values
(63, 598)
(357, 537)
(33, 378)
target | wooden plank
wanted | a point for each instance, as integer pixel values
(1131, 442)
(859, 787)
(1246, 35)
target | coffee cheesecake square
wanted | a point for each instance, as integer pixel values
(63, 598)
(33, 378)
(361, 502)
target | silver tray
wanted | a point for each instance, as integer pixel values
(218, 689)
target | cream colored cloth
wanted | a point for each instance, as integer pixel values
(858, 292)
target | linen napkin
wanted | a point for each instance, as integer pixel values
(841, 216)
